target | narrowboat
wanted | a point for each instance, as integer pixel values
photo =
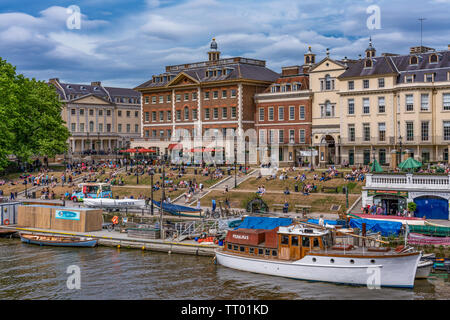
(57, 241)
(308, 253)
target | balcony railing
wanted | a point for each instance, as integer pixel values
(408, 181)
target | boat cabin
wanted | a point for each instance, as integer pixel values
(283, 243)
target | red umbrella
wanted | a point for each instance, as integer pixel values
(129, 150)
(143, 150)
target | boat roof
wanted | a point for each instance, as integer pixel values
(94, 184)
(301, 230)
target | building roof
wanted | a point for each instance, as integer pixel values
(401, 66)
(96, 89)
(238, 68)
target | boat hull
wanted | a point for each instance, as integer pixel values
(396, 271)
(424, 269)
(84, 244)
(114, 203)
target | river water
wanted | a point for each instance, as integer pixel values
(33, 272)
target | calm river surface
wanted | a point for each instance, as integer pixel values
(33, 272)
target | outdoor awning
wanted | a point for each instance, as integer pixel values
(205, 149)
(129, 150)
(175, 146)
(143, 150)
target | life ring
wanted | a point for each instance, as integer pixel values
(115, 220)
(6, 222)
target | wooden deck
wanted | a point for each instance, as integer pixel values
(121, 240)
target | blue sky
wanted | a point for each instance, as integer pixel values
(122, 43)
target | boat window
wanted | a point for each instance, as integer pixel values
(352, 261)
(316, 242)
(260, 251)
(274, 253)
(285, 240)
(314, 259)
(267, 252)
(229, 246)
(242, 249)
(372, 261)
(106, 188)
(332, 260)
(251, 250)
(235, 247)
(305, 241)
(294, 241)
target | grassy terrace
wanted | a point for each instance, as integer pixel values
(252, 184)
(318, 202)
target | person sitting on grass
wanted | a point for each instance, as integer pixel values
(286, 191)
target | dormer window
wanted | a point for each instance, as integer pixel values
(429, 77)
(96, 89)
(83, 88)
(434, 58)
(69, 87)
(368, 63)
(413, 60)
(409, 78)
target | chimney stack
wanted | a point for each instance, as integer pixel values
(96, 84)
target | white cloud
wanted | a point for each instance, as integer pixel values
(136, 44)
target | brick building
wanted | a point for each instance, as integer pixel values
(283, 117)
(214, 95)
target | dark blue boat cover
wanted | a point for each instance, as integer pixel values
(386, 228)
(265, 223)
(175, 207)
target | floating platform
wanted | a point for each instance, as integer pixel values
(122, 240)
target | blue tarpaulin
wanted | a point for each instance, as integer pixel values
(386, 228)
(175, 207)
(264, 223)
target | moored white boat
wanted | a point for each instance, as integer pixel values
(308, 254)
(114, 203)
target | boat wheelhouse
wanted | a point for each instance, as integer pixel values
(309, 253)
(93, 191)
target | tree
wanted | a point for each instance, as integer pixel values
(32, 113)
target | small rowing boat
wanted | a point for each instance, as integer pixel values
(58, 241)
(424, 269)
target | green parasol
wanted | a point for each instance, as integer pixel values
(376, 167)
(410, 163)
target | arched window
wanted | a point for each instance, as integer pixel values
(368, 63)
(433, 58)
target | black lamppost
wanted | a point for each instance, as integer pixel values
(235, 165)
(163, 197)
(151, 191)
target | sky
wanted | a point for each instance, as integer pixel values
(123, 43)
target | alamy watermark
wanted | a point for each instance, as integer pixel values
(374, 279)
(74, 19)
(74, 280)
(374, 20)
(229, 147)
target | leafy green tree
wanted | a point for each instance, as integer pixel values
(32, 110)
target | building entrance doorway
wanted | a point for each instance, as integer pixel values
(330, 149)
(391, 204)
